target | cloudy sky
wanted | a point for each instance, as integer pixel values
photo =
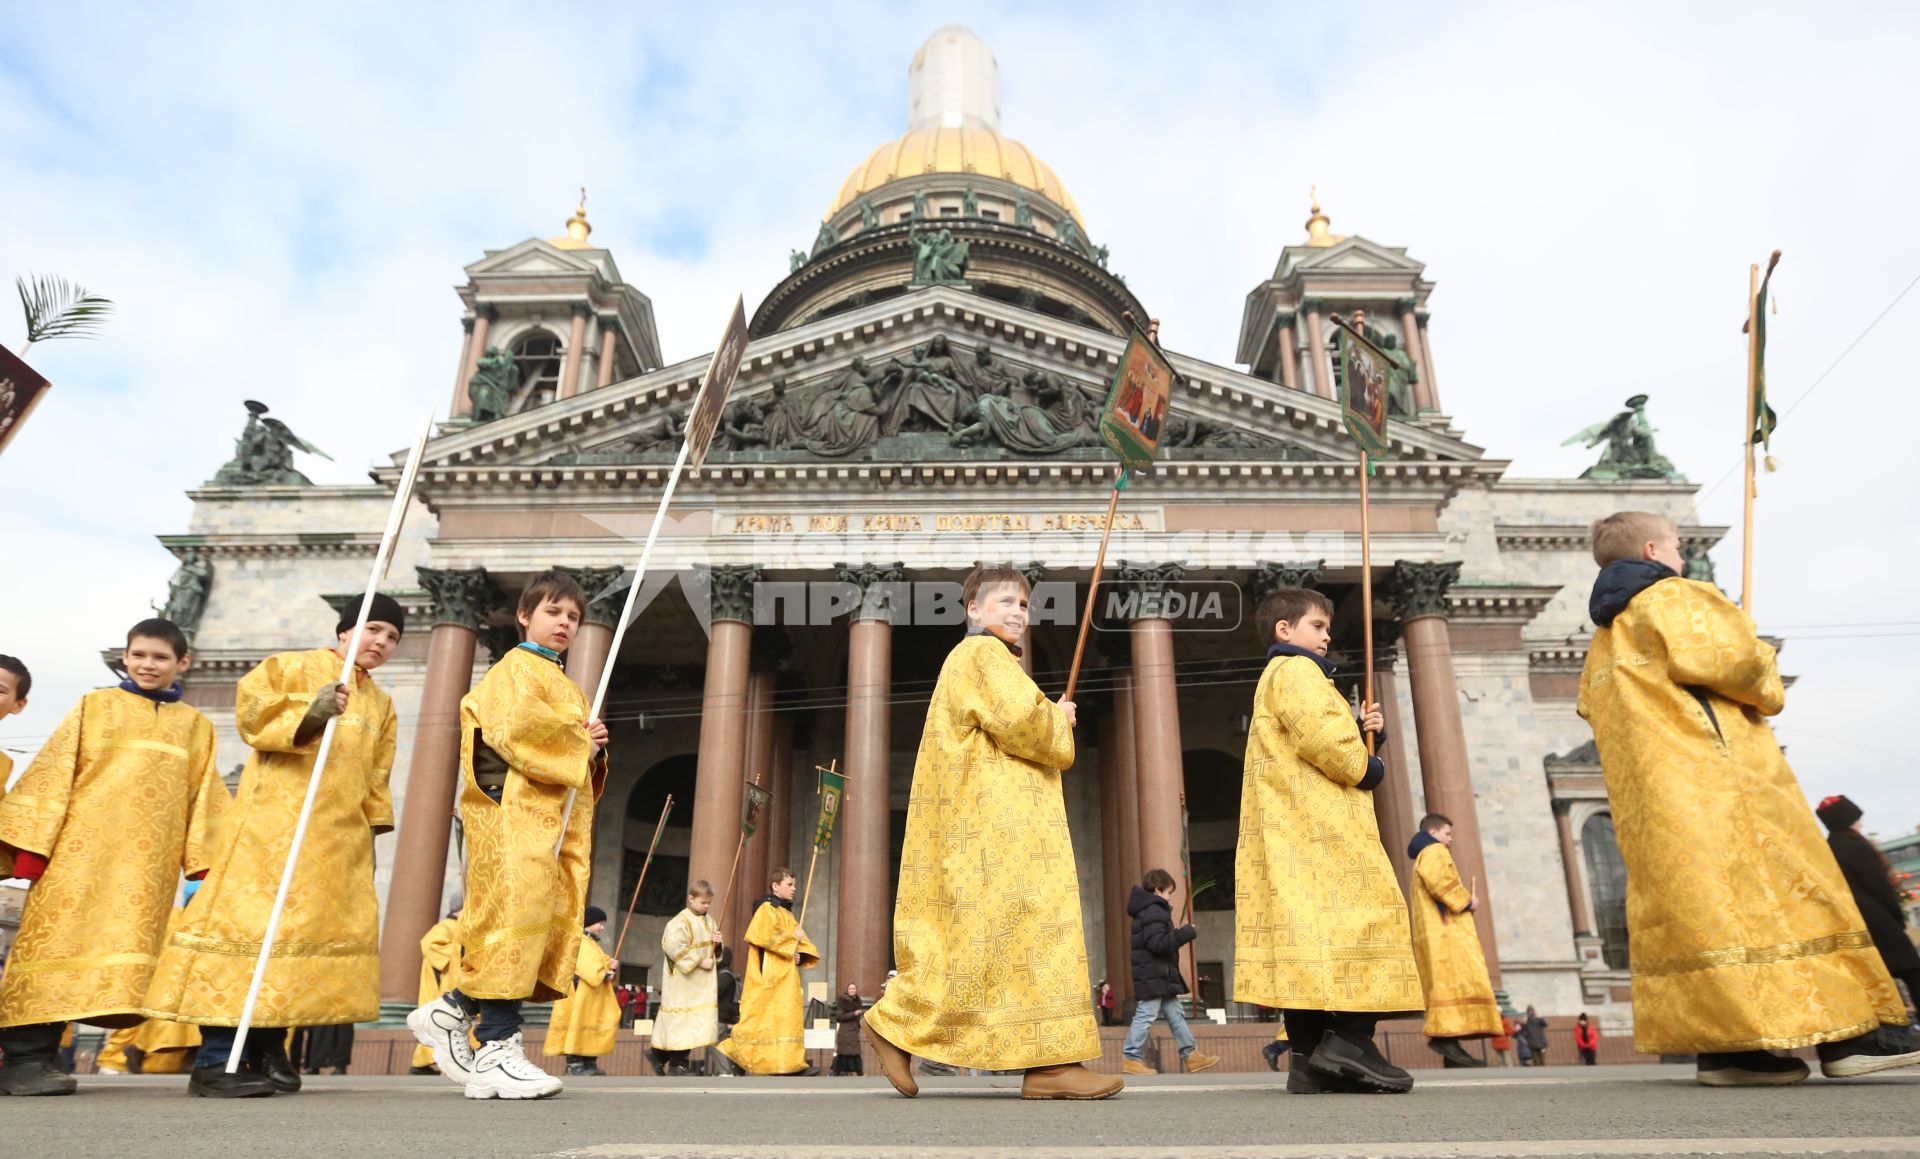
(280, 198)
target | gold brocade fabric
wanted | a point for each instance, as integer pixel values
(520, 926)
(113, 1052)
(325, 967)
(1453, 970)
(586, 1020)
(1745, 935)
(689, 1013)
(166, 1043)
(768, 1038)
(986, 926)
(6, 774)
(1319, 922)
(439, 970)
(123, 798)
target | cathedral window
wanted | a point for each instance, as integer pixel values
(536, 355)
(1607, 878)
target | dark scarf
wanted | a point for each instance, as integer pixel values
(973, 630)
(775, 899)
(158, 696)
(1325, 664)
(1618, 583)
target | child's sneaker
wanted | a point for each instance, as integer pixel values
(501, 1071)
(442, 1027)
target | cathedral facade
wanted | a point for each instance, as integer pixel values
(919, 394)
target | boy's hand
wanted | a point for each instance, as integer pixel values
(1072, 719)
(339, 698)
(801, 934)
(716, 937)
(1371, 720)
(597, 733)
(706, 963)
(613, 967)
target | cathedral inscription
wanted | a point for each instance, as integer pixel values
(910, 522)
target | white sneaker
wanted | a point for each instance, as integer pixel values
(501, 1071)
(442, 1027)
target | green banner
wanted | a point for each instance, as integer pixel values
(1764, 420)
(752, 807)
(1365, 374)
(1135, 415)
(833, 786)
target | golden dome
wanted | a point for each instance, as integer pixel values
(963, 149)
(577, 229)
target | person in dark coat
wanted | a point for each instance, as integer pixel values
(1534, 1030)
(846, 1036)
(1870, 878)
(1156, 975)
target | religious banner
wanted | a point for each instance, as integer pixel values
(1764, 420)
(703, 419)
(20, 389)
(832, 786)
(1135, 415)
(1364, 371)
(754, 805)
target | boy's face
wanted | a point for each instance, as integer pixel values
(783, 889)
(1312, 631)
(377, 643)
(1443, 834)
(1167, 892)
(1666, 549)
(10, 699)
(699, 903)
(1000, 609)
(151, 664)
(597, 928)
(552, 624)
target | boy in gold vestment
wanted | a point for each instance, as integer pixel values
(986, 928)
(123, 798)
(689, 1014)
(525, 743)
(1453, 969)
(1319, 923)
(583, 1024)
(1746, 939)
(325, 968)
(769, 1037)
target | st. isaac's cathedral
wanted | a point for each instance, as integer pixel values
(920, 393)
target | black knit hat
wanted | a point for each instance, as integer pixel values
(595, 915)
(1838, 813)
(385, 610)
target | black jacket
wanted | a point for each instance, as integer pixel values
(1156, 946)
(1879, 902)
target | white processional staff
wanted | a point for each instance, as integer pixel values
(401, 497)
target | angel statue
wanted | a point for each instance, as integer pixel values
(263, 454)
(1630, 452)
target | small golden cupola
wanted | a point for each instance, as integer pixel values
(577, 228)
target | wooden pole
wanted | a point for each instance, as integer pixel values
(396, 515)
(1093, 588)
(1366, 602)
(720, 921)
(659, 827)
(1186, 869)
(1746, 440)
(804, 897)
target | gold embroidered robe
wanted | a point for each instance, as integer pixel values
(986, 926)
(1319, 922)
(1745, 935)
(587, 1019)
(689, 1014)
(439, 970)
(521, 922)
(1453, 970)
(123, 798)
(769, 1038)
(6, 774)
(325, 967)
(113, 1051)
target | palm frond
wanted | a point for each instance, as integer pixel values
(57, 308)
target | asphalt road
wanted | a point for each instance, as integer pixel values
(1607, 1111)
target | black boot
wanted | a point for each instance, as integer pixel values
(1455, 1055)
(1883, 1049)
(32, 1065)
(1748, 1068)
(1351, 1056)
(269, 1059)
(213, 1082)
(1303, 1078)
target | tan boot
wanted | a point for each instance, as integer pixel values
(1134, 1066)
(1072, 1081)
(895, 1063)
(1197, 1062)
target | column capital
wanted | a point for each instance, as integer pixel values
(769, 650)
(1269, 576)
(500, 639)
(582, 310)
(1563, 807)
(604, 599)
(729, 590)
(1152, 577)
(464, 597)
(1283, 317)
(880, 586)
(1386, 637)
(467, 322)
(488, 312)
(1035, 571)
(1420, 589)
(1313, 305)
(1404, 305)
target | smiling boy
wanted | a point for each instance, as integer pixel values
(986, 929)
(123, 798)
(325, 968)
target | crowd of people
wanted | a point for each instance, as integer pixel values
(1763, 952)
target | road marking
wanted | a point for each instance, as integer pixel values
(1522, 1149)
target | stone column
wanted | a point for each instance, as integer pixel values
(1393, 800)
(460, 371)
(721, 770)
(1289, 351)
(1156, 725)
(863, 939)
(1317, 350)
(1115, 877)
(476, 350)
(1420, 590)
(1417, 350)
(587, 659)
(1126, 751)
(769, 649)
(609, 348)
(1426, 362)
(461, 602)
(1570, 862)
(576, 342)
